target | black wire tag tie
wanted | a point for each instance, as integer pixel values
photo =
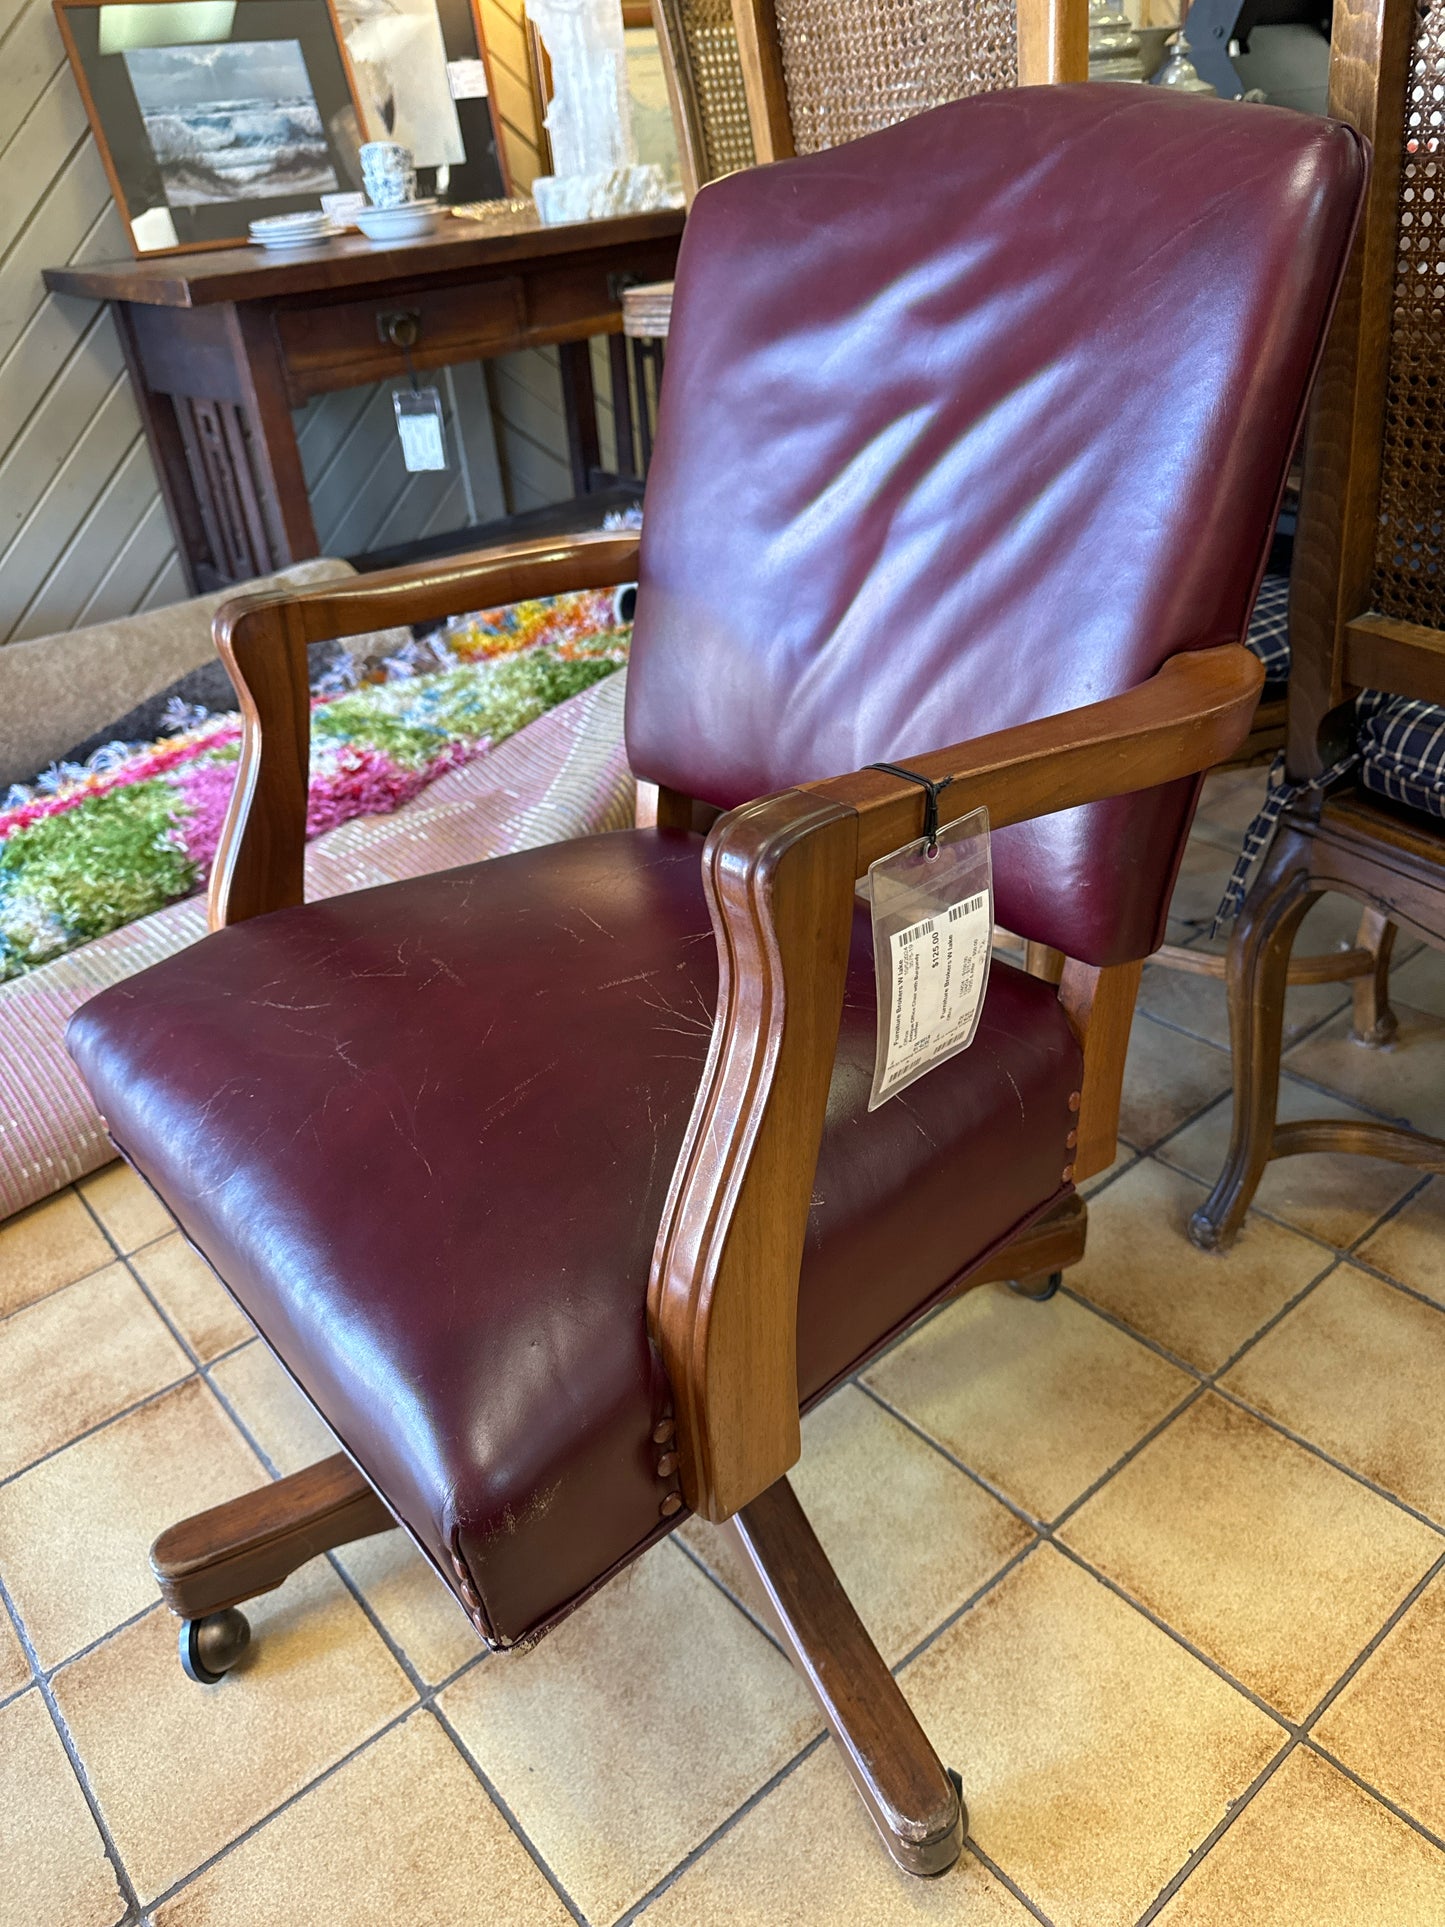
(930, 814)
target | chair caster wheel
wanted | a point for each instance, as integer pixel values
(211, 1646)
(1037, 1289)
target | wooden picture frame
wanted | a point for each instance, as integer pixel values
(485, 174)
(170, 163)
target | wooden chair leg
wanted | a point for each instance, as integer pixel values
(914, 1801)
(208, 1564)
(1374, 1023)
(1258, 978)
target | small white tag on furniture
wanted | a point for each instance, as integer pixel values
(419, 423)
(932, 930)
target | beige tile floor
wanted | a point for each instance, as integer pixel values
(1161, 1564)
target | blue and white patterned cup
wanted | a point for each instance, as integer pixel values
(388, 171)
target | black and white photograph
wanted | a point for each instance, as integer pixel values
(231, 121)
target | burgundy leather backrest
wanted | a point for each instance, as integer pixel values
(975, 420)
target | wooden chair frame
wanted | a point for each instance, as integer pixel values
(1053, 45)
(1394, 867)
(679, 71)
(722, 1305)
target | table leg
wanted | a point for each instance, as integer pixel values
(277, 477)
(579, 405)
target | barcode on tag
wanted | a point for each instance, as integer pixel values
(932, 914)
(937, 983)
(968, 909)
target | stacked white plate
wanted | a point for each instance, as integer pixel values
(402, 223)
(293, 230)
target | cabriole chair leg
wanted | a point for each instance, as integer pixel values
(913, 1800)
(1258, 979)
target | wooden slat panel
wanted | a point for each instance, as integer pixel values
(169, 586)
(147, 550)
(30, 55)
(104, 531)
(62, 508)
(47, 137)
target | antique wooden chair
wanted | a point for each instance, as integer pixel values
(1364, 787)
(551, 1180)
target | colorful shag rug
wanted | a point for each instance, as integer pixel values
(92, 846)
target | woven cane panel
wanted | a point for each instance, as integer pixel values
(717, 77)
(1410, 556)
(853, 66)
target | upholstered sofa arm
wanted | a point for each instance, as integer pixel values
(263, 641)
(780, 875)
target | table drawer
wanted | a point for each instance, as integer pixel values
(339, 345)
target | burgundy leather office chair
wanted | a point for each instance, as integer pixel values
(558, 1209)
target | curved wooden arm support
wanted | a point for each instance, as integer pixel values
(1191, 715)
(262, 639)
(723, 1298)
(779, 875)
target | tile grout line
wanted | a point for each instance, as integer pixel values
(426, 1695)
(89, 1432)
(1216, 1833)
(724, 1827)
(282, 1806)
(503, 1807)
(1370, 1648)
(125, 1257)
(1313, 1745)
(1006, 1880)
(1318, 1451)
(47, 1694)
(1301, 1735)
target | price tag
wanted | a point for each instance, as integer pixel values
(932, 930)
(419, 423)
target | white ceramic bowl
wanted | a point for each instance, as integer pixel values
(396, 223)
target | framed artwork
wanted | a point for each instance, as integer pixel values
(421, 76)
(652, 122)
(211, 113)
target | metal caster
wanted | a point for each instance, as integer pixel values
(211, 1646)
(1021, 1287)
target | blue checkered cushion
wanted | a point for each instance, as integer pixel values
(1268, 632)
(1401, 746)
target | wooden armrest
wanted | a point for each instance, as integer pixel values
(1191, 715)
(262, 639)
(779, 875)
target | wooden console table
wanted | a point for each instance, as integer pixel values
(222, 346)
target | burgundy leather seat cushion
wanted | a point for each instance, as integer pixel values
(425, 1134)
